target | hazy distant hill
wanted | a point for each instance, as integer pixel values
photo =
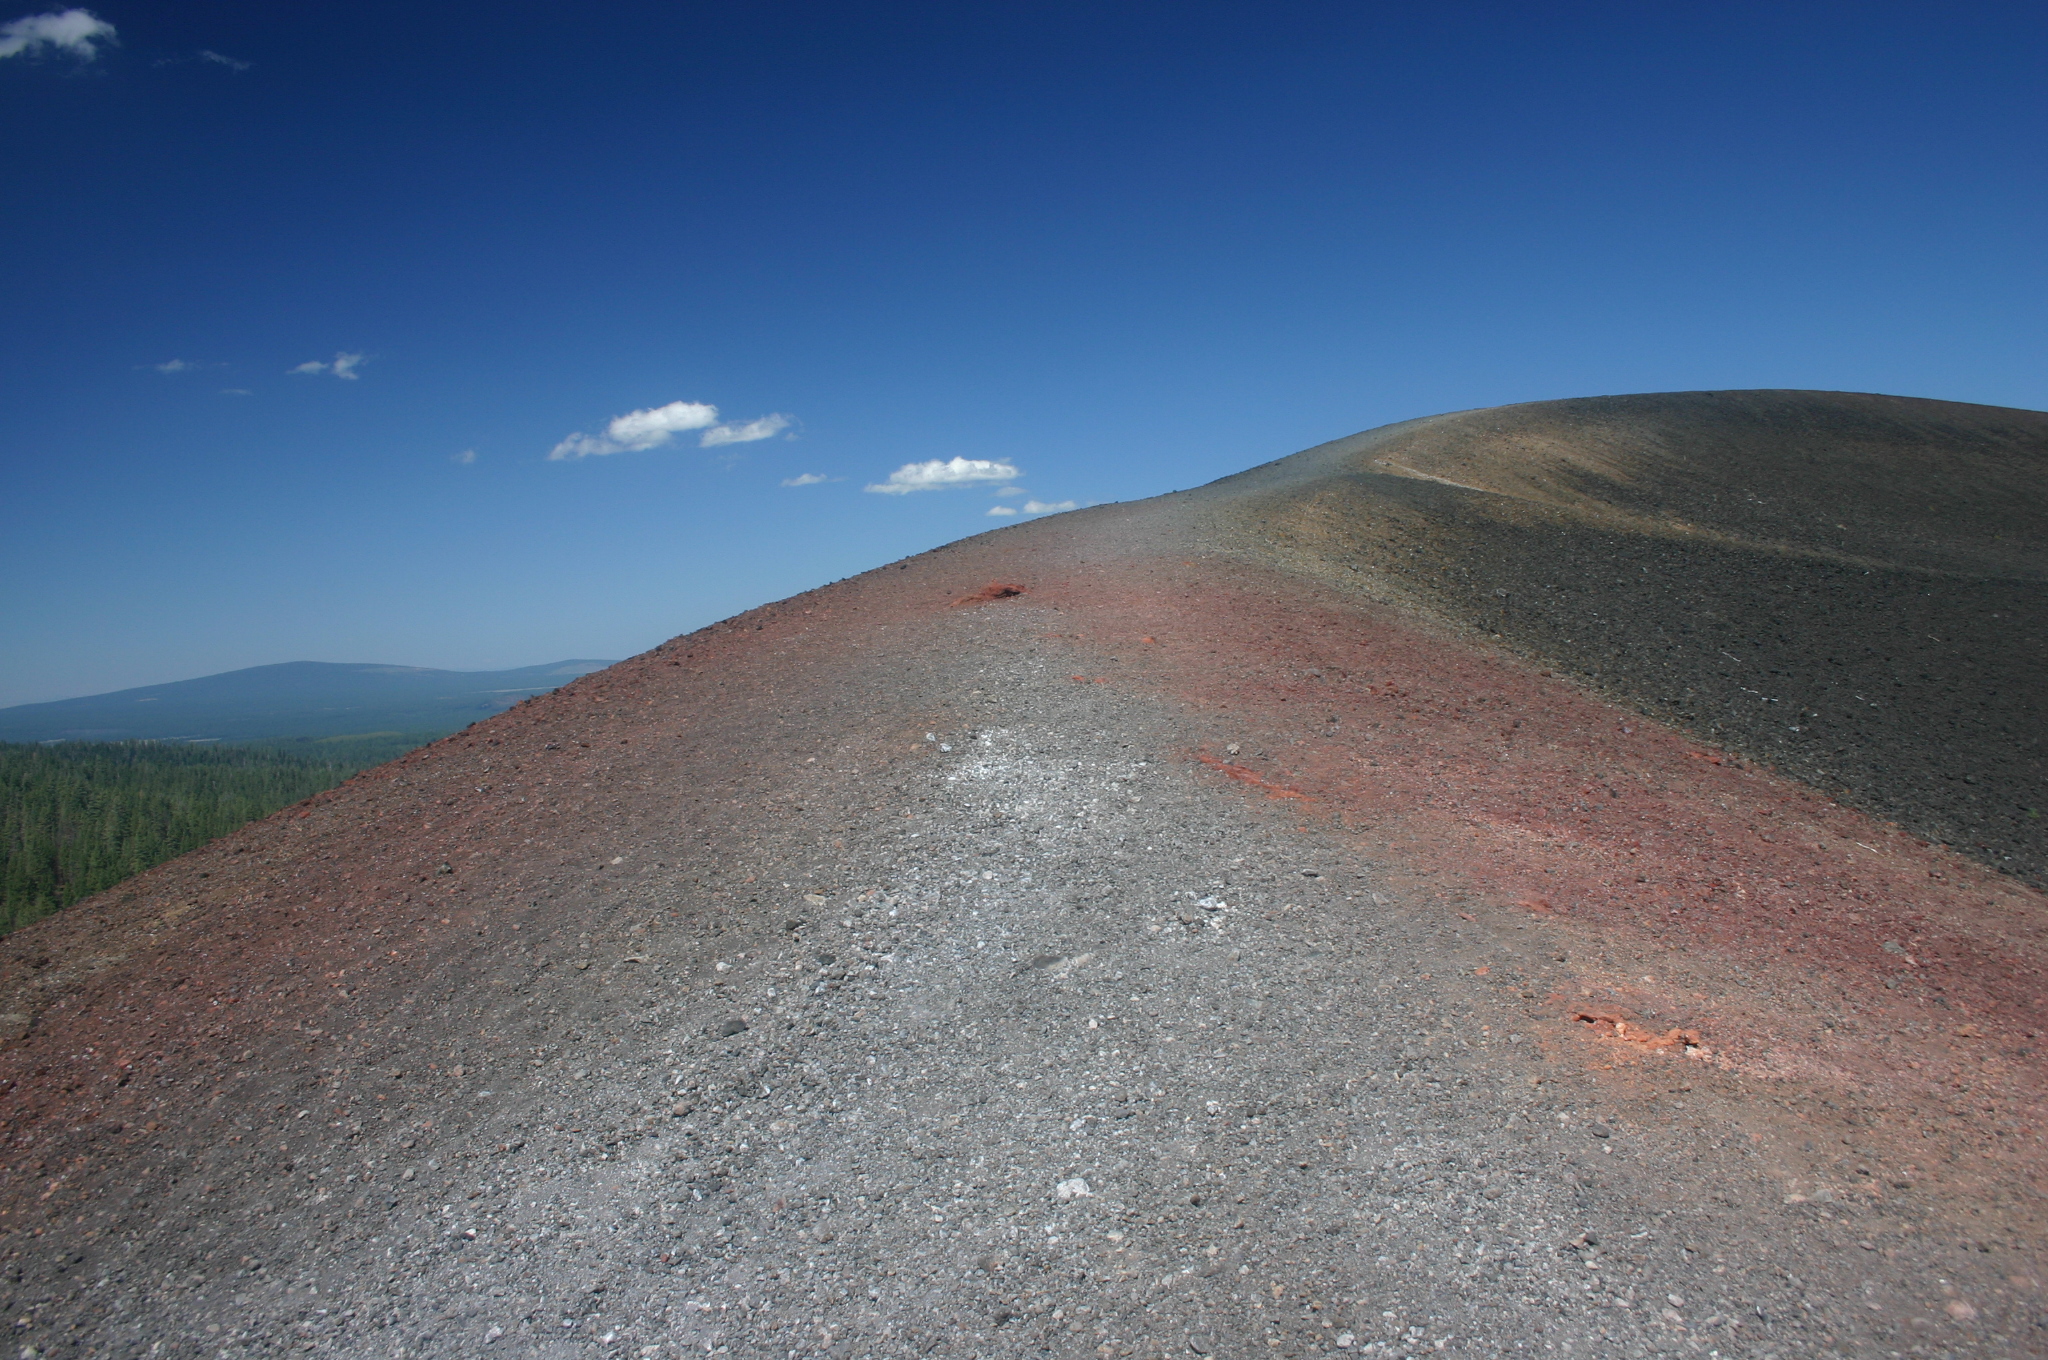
(294, 699)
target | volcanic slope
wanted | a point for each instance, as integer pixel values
(1852, 588)
(1181, 927)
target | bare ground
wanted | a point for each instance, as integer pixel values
(1183, 947)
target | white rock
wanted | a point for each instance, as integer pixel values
(1072, 1189)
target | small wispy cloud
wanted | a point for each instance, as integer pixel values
(767, 427)
(73, 32)
(229, 62)
(344, 366)
(939, 473)
(466, 457)
(173, 366)
(808, 479)
(1034, 507)
(236, 392)
(637, 430)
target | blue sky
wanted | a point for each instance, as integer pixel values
(1118, 248)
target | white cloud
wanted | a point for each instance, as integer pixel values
(659, 424)
(580, 445)
(808, 479)
(344, 366)
(173, 366)
(638, 430)
(767, 427)
(466, 457)
(229, 62)
(1002, 510)
(938, 473)
(1049, 507)
(236, 392)
(74, 31)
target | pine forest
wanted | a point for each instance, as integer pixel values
(78, 817)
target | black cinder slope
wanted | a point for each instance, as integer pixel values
(1851, 588)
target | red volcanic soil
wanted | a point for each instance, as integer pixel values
(1658, 915)
(1799, 938)
(1803, 937)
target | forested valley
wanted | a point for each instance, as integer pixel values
(78, 817)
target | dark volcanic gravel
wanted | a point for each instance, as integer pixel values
(1853, 589)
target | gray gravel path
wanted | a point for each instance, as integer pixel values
(1057, 1045)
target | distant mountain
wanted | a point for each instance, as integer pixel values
(294, 699)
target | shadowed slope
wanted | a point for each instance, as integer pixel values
(1852, 588)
